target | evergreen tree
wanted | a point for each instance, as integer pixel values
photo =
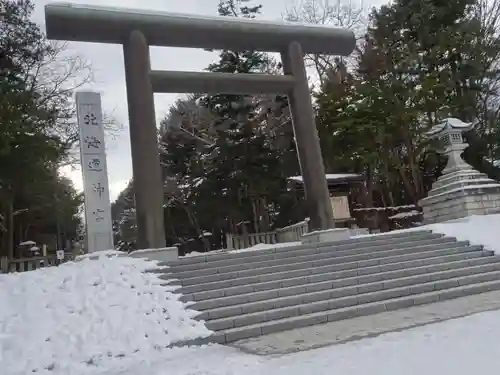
(30, 149)
(421, 61)
(227, 167)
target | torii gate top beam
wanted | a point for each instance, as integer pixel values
(86, 23)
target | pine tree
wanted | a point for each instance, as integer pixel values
(421, 61)
(29, 148)
(231, 172)
(235, 110)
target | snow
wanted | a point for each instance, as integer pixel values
(264, 246)
(460, 347)
(477, 229)
(143, 251)
(462, 188)
(403, 215)
(330, 177)
(461, 184)
(260, 246)
(89, 312)
(457, 123)
(26, 243)
(449, 124)
(108, 317)
(395, 208)
(99, 254)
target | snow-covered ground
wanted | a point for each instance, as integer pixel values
(107, 316)
(260, 246)
(87, 313)
(457, 347)
(479, 230)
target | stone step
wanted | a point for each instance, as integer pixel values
(283, 324)
(224, 256)
(363, 260)
(299, 256)
(267, 281)
(354, 301)
(328, 281)
(311, 256)
(342, 289)
(278, 254)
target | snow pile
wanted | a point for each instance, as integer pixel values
(108, 253)
(259, 246)
(477, 229)
(265, 246)
(63, 319)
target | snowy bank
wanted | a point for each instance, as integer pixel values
(477, 229)
(260, 246)
(88, 312)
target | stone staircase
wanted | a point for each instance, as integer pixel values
(248, 294)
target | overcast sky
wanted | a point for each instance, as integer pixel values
(107, 63)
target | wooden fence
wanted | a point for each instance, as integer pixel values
(29, 264)
(290, 233)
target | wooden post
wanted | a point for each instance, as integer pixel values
(4, 264)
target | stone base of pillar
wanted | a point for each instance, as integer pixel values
(329, 235)
(461, 193)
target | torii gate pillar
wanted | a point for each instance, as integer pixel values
(137, 30)
(148, 181)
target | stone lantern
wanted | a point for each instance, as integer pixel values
(449, 133)
(461, 190)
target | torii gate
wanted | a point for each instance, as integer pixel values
(136, 30)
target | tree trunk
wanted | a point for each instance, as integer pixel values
(196, 226)
(414, 168)
(9, 224)
(255, 212)
(370, 186)
(408, 186)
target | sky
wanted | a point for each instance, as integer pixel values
(109, 76)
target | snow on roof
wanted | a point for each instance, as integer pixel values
(27, 243)
(496, 162)
(331, 177)
(449, 124)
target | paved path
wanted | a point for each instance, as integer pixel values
(368, 326)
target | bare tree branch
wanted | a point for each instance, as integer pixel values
(350, 14)
(56, 78)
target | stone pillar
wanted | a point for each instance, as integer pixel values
(306, 138)
(148, 182)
